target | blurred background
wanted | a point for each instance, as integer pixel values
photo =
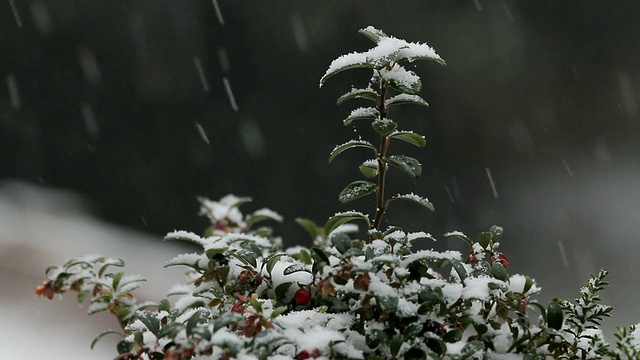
(116, 115)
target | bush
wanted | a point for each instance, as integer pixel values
(351, 295)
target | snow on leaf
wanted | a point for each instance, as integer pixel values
(410, 137)
(361, 113)
(415, 198)
(187, 236)
(419, 236)
(405, 99)
(402, 79)
(350, 145)
(367, 93)
(356, 190)
(184, 259)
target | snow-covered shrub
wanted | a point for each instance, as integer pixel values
(350, 295)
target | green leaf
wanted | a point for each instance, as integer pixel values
(452, 336)
(555, 316)
(164, 305)
(170, 330)
(278, 311)
(361, 114)
(124, 347)
(389, 302)
(496, 232)
(226, 319)
(470, 348)
(484, 239)
(195, 319)
(281, 290)
(347, 66)
(358, 93)
(395, 344)
(322, 255)
(384, 127)
(405, 99)
(350, 145)
(293, 268)
(405, 163)
(459, 268)
(415, 353)
(528, 283)
(262, 215)
(341, 218)
(102, 334)
(341, 241)
(273, 261)
(372, 33)
(310, 227)
(410, 137)
(83, 295)
(150, 321)
(369, 168)
(499, 272)
(356, 190)
(414, 198)
(116, 280)
(400, 83)
(460, 236)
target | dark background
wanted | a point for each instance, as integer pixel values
(106, 98)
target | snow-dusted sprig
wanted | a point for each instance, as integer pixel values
(388, 76)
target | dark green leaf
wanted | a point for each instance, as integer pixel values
(528, 283)
(116, 280)
(472, 347)
(414, 198)
(372, 33)
(356, 190)
(124, 347)
(384, 127)
(369, 168)
(496, 232)
(411, 88)
(341, 218)
(272, 262)
(281, 290)
(395, 344)
(358, 93)
(460, 236)
(459, 268)
(389, 302)
(278, 311)
(310, 227)
(361, 114)
(415, 353)
(347, 66)
(171, 330)
(341, 241)
(405, 99)
(410, 137)
(350, 145)
(150, 321)
(101, 335)
(197, 318)
(484, 239)
(405, 163)
(293, 268)
(555, 316)
(164, 305)
(321, 254)
(499, 272)
(83, 295)
(452, 336)
(262, 215)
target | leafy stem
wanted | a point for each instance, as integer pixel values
(382, 166)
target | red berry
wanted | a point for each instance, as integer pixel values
(303, 296)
